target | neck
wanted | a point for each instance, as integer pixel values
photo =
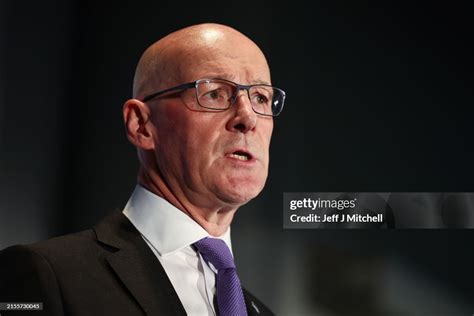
(215, 220)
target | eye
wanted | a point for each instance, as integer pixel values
(261, 99)
(215, 94)
(261, 95)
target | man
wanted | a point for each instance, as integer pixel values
(201, 118)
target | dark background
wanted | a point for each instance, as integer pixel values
(379, 99)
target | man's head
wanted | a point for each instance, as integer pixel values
(190, 155)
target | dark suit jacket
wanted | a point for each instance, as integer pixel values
(107, 270)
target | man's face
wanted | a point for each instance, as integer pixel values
(199, 152)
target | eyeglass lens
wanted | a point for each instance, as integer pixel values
(215, 94)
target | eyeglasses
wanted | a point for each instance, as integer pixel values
(221, 94)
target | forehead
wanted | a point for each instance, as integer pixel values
(245, 67)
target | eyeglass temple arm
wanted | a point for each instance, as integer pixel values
(184, 86)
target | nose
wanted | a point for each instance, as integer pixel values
(244, 119)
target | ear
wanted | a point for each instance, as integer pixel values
(136, 116)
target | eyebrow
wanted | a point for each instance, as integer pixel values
(260, 81)
(232, 77)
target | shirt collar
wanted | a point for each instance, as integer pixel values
(163, 225)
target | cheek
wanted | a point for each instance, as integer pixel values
(266, 137)
(204, 139)
(197, 142)
(172, 140)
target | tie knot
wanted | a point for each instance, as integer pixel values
(215, 251)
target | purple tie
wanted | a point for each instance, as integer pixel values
(230, 298)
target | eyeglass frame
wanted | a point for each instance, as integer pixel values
(194, 84)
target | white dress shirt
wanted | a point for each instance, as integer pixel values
(169, 233)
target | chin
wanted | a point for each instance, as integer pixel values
(240, 193)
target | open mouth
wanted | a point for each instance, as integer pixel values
(240, 155)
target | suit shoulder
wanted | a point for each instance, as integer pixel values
(65, 242)
(27, 276)
(66, 246)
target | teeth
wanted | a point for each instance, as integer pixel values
(240, 157)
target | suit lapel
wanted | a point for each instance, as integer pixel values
(252, 309)
(254, 306)
(137, 266)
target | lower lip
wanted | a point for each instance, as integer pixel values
(251, 161)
